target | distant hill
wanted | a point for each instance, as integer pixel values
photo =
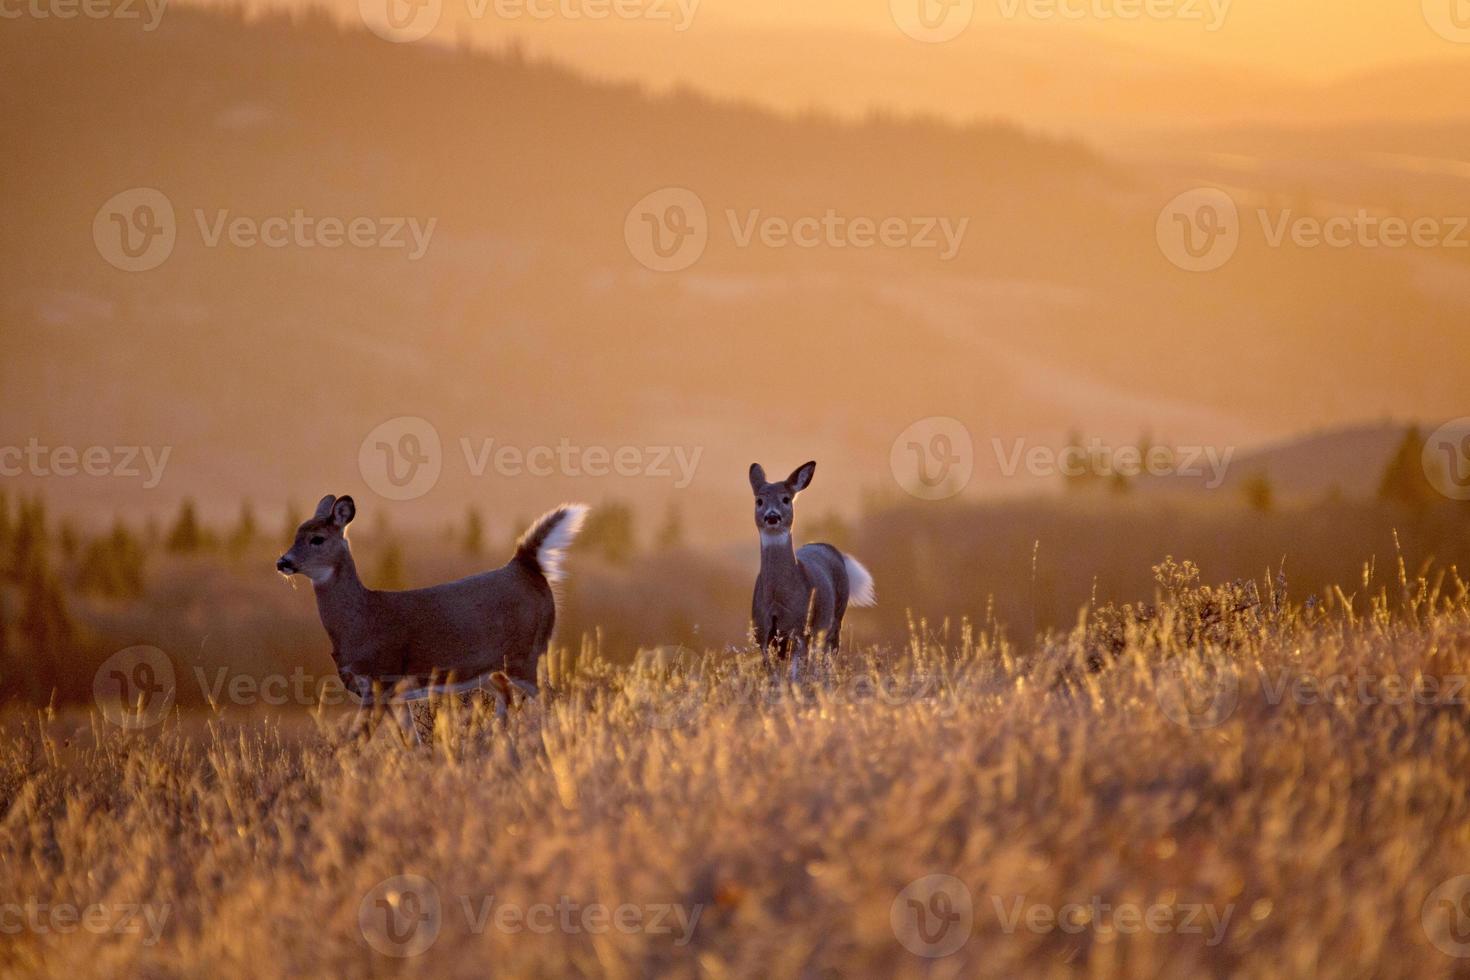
(529, 319)
(1347, 462)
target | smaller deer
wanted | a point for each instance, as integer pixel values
(487, 631)
(800, 595)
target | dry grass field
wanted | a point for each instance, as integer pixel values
(1224, 782)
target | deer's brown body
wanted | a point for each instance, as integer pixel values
(499, 620)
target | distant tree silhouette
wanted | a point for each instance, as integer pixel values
(670, 536)
(294, 519)
(7, 532)
(389, 574)
(245, 532)
(187, 535)
(609, 532)
(1260, 495)
(28, 543)
(69, 540)
(1404, 480)
(113, 565)
(474, 533)
(47, 631)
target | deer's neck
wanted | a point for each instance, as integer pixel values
(778, 560)
(342, 603)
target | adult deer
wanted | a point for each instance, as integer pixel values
(487, 631)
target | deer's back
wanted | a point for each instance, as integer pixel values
(491, 621)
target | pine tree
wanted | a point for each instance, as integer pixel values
(28, 545)
(609, 532)
(474, 533)
(1260, 495)
(1404, 481)
(6, 534)
(244, 534)
(294, 520)
(187, 535)
(670, 536)
(390, 573)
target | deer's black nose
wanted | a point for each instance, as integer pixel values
(284, 565)
(773, 519)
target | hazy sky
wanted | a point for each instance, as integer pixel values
(1306, 39)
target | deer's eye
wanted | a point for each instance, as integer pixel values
(785, 500)
(318, 540)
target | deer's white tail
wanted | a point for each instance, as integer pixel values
(859, 583)
(544, 546)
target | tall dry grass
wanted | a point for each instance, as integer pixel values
(1279, 786)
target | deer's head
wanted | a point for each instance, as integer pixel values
(774, 501)
(320, 548)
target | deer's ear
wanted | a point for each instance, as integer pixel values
(324, 507)
(757, 477)
(343, 511)
(802, 477)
